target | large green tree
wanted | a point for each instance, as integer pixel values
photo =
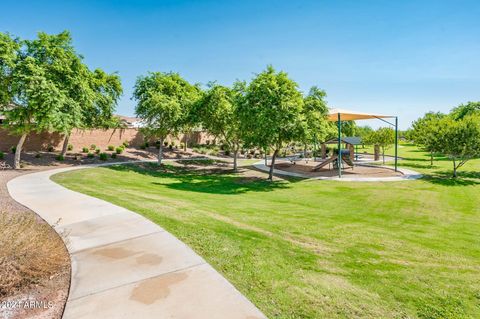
(46, 87)
(32, 97)
(162, 101)
(218, 112)
(459, 139)
(425, 132)
(272, 112)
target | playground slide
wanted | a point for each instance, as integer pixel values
(347, 160)
(324, 163)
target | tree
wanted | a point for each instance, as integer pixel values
(460, 139)
(383, 137)
(46, 87)
(363, 132)
(464, 110)
(272, 112)
(218, 112)
(33, 96)
(425, 132)
(315, 112)
(162, 100)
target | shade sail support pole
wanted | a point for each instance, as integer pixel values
(396, 144)
(339, 156)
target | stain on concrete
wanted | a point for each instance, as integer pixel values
(149, 259)
(156, 288)
(115, 252)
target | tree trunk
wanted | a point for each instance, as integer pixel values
(431, 158)
(454, 169)
(383, 155)
(18, 151)
(272, 164)
(65, 144)
(160, 152)
(235, 155)
(305, 150)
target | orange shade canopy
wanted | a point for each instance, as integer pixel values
(348, 115)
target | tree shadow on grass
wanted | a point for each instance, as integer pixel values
(213, 180)
(467, 178)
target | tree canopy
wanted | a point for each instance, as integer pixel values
(272, 113)
(163, 99)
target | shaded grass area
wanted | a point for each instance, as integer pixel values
(311, 249)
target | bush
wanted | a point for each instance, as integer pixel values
(142, 146)
(93, 147)
(111, 148)
(97, 151)
(227, 153)
(2, 155)
(125, 144)
(103, 156)
(165, 143)
(182, 145)
(85, 149)
(69, 147)
(119, 150)
(50, 149)
(38, 155)
(13, 149)
(90, 155)
(60, 158)
(170, 146)
(30, 252)
(147, 145)
(114, 155)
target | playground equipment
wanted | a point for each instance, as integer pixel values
(334, 160)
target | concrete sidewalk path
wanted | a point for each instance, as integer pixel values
(125, 266)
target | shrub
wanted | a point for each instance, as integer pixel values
(227, 153)
(103, 156)
(13, 149)
(111, 147)
(50, 148)
(125, 144)
(207, 142)
(114, 155)
(142, 146)
(170, 146)
(165, 143)
(69, 147)
(182, 145)
(90, 155)
(31, 251)
(147, 145)
(97, 151)
(85, 149)
(60, 158)
(119, 150)
(249, 156)
(93, 147)
(2, 155)
(38, 155)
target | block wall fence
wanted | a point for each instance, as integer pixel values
(84, 138)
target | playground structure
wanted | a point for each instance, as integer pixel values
(339, 115)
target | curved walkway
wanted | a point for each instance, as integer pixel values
(406, 174)
(123, 265)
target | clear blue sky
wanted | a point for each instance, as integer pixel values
(396, 57)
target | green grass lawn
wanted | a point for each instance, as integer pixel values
(320, 249)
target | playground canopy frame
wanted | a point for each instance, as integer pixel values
(339, 115)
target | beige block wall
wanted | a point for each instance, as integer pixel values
(85, 138)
